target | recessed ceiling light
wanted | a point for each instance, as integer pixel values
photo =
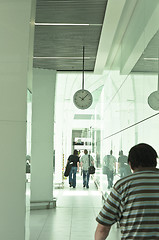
(66, 24)
(64, 57)
(151, 59)
(57, 1)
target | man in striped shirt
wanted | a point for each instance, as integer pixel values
(134, 200)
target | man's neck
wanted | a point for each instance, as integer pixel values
(145, 169)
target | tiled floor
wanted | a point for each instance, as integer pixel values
(72, 219)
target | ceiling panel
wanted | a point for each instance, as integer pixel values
(79, 11)
(66, 41)
(65, 45)
(64, 64)
(60, 47)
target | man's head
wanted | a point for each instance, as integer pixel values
(75, 152)
(85, 151)
(121, 153)
(111, 152)
(142, 155)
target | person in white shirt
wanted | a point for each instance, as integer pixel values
(86, 161)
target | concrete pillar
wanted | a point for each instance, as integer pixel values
(14, 44)
(42, 136)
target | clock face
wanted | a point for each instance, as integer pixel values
(82, 99)
(153, 100)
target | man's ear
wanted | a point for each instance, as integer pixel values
(130, 166)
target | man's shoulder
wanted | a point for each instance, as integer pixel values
(113, 158)
(124, 181)
(123, 158)
(83, 157)
(70, 157)
(131, 177)
(106, 156)
(135, 178)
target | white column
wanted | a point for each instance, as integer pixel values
(42, 135)
(59, 126)
(14, 42)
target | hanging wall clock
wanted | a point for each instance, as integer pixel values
(83, 98)
(153, 100)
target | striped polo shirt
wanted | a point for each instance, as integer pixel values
(134, 202)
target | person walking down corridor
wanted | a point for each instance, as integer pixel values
(109, 162)
(134, 199)
(124, 167)
(74, 159)
(86, 161)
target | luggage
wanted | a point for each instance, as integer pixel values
(91, 170)
(68, 169)
(27, 168)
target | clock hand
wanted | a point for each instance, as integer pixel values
(81, 98)
(85, 96)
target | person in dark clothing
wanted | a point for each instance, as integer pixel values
(74, 159)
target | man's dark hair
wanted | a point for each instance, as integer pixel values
(85, 151)
(75, 152)
(121, 152)
(142, 155)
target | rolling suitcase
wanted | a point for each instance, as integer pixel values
(68, 169)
